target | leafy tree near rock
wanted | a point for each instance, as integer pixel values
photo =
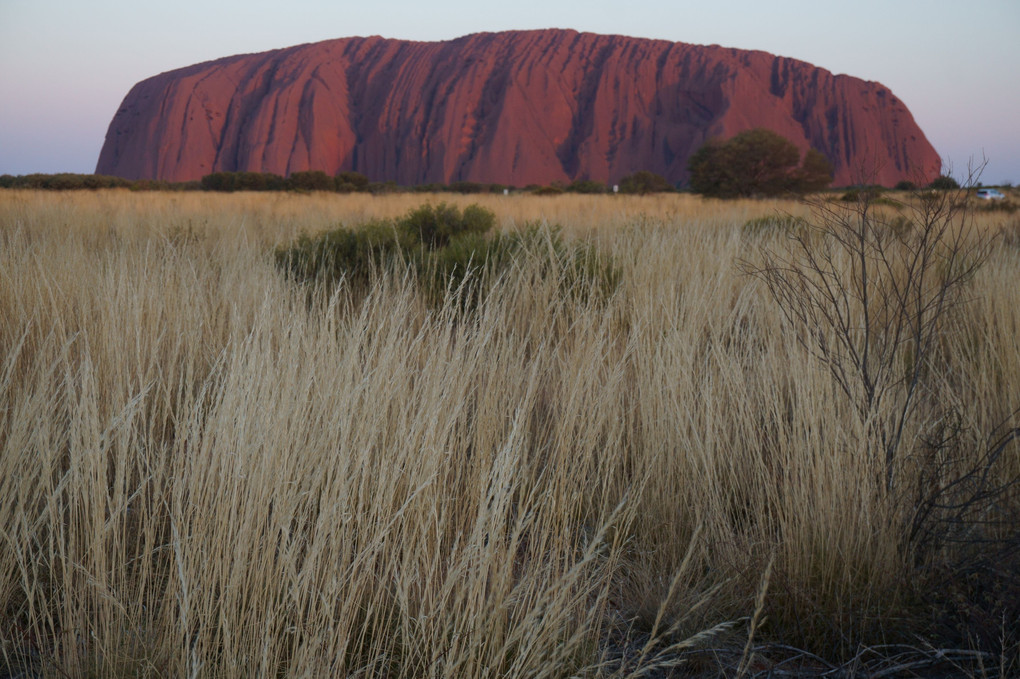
(756, 162)
(350, 182)
(311, 180)
(709, 173)
(944, 183)
(586, 186)
(643, 182)
(814, 174)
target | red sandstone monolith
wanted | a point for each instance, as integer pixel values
(517, 108)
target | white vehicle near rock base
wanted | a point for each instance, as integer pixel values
(989, 194)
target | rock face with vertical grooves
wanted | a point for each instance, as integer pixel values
(518, 108)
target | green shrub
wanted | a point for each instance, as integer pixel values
(466, 266)
(586, 186)
(311, 180)
(455, 254)
(547, 191)
(756, 162)
(382, 188)
(243, 181)
(905, 185)
(467, 187)
(644, 182)
(944, 183)
(341, 253)
(450, 250)
(355, 254)
(435, 225)
(349, 182)
(471, 264)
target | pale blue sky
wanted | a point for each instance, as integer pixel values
(67, 64)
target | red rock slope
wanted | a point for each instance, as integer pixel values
(520, 107)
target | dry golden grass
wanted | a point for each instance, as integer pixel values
(204, 474)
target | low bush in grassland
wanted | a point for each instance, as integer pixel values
(342, 253)
(447, 248)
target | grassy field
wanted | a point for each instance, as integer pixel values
(210, 470)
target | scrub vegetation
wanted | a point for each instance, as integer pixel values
(783, 440)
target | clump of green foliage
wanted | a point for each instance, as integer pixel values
(351, 182)
(470, 264)
(228, 182)
(63, 181)
(644, 182)
(450, 250)
(341, 254)
(586, 186)
(436, 226)
(944, 183)
(551, 190)
(757, 162)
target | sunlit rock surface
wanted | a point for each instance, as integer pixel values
(518, 108)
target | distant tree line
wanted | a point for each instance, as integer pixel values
(641, 182)
(754, 163)
(66, 181)
(311, 180)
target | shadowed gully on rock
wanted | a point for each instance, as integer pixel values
(517, 107)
